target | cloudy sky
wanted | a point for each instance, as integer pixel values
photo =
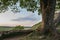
(22, 18)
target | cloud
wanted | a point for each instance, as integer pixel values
(23, 18)
(31, 17)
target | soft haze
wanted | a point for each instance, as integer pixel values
(24, 18)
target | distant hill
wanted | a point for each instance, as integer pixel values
(6, 26)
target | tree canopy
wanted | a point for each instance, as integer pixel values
(30, 5)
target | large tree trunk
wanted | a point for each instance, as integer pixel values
(48, 10)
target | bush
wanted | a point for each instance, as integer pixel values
(18, 27)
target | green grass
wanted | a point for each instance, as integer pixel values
(58, 30)
(34, 27)
(5, 29)
(32, 36)
(59, 23)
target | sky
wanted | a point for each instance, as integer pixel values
(23, 18)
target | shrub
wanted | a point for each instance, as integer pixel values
(18, 27)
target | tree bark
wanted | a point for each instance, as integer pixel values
(48, 10)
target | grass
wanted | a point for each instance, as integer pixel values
(37, 36)
(32, 36)
(36, 26)
(58, 30)
(5, 29)
(12, 28)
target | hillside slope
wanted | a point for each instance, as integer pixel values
(34, 27)
(56, 21)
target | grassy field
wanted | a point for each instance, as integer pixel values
(12, 28)
(5, 28)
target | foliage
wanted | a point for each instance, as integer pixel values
(58, 5)
(30, 5)
(58, 23)
(18, 27)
